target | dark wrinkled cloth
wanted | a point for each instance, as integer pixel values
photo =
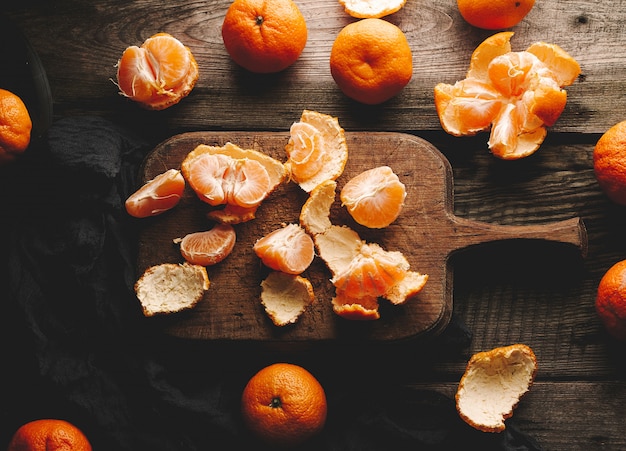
(76, 346)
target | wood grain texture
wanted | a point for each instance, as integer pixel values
(540, 294)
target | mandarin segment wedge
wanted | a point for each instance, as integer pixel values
(516, 95)
(288, 249)
(156, 196)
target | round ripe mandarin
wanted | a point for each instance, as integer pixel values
(609, 163)
(611, 300)
(209, 247)
(156, 196)
(49, 435)
(284, 405)
(288, 249)
(371, 61)
(158, 74)
(375, 197)
(264, 36)
(494, 14)
(15, 126)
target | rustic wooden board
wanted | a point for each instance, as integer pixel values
(427, 233)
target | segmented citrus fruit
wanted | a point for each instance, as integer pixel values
(288, 249)
(229, 175)
(208, 247)
(375, 197)
(156, 196)
(316, 151)
(159, 73)
(515, 94)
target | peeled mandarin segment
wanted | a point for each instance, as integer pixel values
(205, 176)
(157, 195)
(250, 184)
(209, 247)
(509, 73)
(565, 68)
(135, 74)
(374, 198)
(171, 60)
(288, 249)
(495, 45)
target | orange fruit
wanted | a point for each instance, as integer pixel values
(264, 36)
(209, 247)
(363, 9)
(609, 162)
(156, 196)
(611, 300)
(317, 150)
(284, 405)
(515, 94)
(375, 197)
(371, 61)
(49, 435)
(494, 14)
(288, 249)
(159, 73)
(15, 126)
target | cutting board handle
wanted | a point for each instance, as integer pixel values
(570, 231)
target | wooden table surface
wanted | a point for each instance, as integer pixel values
(533, 293)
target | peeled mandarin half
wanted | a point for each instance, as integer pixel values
(158, 74)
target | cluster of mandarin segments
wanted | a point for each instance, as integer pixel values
(236, 181)
(49, 435)
(15, 126)
(514, 94)
(284, 405)
(159, 73)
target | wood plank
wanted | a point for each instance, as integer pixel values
(93, 36)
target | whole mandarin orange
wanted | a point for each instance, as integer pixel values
(611, 300)
(49, 435)
(371, 61)
(284, 405)
(15, 126)
(609, 162)
(494, 14)
(264, 36)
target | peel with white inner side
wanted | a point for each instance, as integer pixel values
(493, 384)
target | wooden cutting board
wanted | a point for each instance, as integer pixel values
(427, 233)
